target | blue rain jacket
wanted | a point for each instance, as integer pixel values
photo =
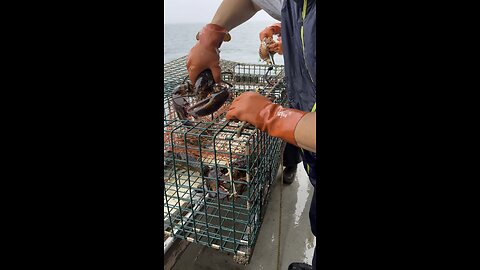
(299, 53)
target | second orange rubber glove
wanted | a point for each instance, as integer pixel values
(269, 32)
(205, 54)
(265, 115)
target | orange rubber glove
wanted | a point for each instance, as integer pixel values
(265, 115)
(276, 46)
(269, 32)
(205, 53)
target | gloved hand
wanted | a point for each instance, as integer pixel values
(265, 115)
(269, 32)
(276, 46)
(205, 53)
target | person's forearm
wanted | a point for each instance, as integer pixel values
(306, 132)
(232, 13)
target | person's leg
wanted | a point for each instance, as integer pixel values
(291, 157)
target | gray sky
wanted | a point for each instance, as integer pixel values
(198, 11)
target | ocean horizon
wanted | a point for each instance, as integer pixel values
(179, 38)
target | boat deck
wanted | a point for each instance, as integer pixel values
(295, 244)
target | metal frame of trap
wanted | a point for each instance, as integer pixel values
(193, 212)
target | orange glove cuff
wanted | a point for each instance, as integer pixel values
(280, 122)
(213, 35)
(269, 117)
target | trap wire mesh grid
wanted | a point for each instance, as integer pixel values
(216, 178)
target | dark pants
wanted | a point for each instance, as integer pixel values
(291, 155)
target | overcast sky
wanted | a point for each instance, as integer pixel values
(198, 11)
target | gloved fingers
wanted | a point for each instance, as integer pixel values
(235, 107)
(248, 99)
(231, 115)
(273, 46)
(216, 72)
(193, 73)
(276, 28)
(234, 104)
(192, 62)
(241, 99)
(266, 33)
(204, 54)
(276, 47)
(231, 107)
(270, 31)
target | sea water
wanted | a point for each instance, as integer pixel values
(243, 48)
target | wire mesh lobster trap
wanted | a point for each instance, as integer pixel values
(218, 173)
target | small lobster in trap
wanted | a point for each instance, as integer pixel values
(208, 95)
(230, 183)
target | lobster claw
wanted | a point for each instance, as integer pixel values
(211, 104)
(180, 104)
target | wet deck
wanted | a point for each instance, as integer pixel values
(296, 241)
